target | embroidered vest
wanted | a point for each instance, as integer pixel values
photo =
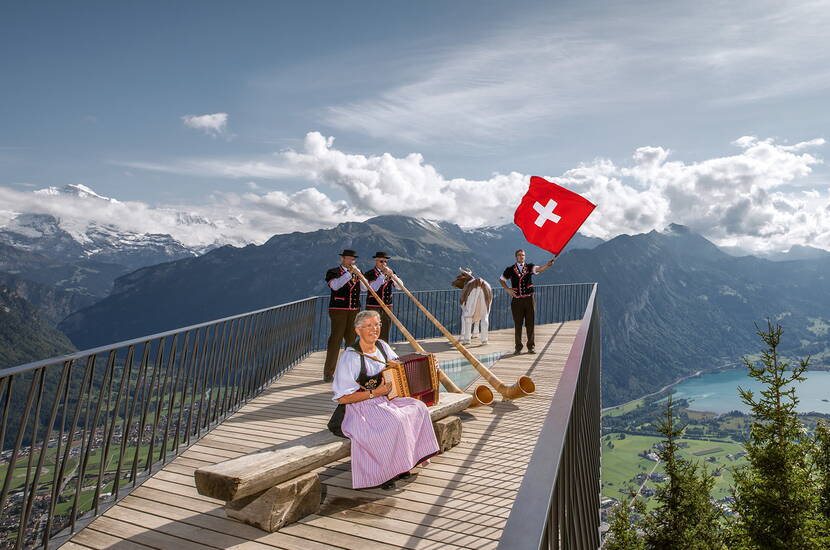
(521, 282)
(385, 290)
(348, 295)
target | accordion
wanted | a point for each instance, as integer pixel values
(413, 375)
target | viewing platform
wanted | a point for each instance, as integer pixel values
(461, 500)
(525, 474)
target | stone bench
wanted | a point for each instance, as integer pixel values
(278, 486)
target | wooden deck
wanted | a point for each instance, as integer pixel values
(461, 500)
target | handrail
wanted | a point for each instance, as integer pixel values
(450, 293)
(558, 501)
(134, 341)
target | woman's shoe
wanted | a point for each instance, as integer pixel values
(405, 475)
(388, 485)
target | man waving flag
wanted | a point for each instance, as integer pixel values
(549, 215)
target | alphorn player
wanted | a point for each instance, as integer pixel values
(344, 304)
(523, 305)
(380, 279)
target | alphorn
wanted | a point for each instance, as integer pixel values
(482, 394)
(523, 386)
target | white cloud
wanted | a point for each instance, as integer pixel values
(374, 185)
(478, 92)
(735, 200)
(228, 218)
(214, 124)
(530, 73)
(748, 199)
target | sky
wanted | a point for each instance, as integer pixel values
(232, 122)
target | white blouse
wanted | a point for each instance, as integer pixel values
(348, 369)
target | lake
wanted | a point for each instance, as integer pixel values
(717, 392)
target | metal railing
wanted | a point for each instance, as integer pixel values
(79, 432)
(554, 303)
(558, 502)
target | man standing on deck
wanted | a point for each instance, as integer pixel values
(523, 304)
(343, 307)
(380, 279)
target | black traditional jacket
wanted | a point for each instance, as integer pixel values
(520, 281)
(347, 296)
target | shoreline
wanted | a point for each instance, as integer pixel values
(695, 375)
(680, 380)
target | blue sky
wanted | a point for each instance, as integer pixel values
(440, 109)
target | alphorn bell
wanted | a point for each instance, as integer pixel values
(482, 394)
(523, 386)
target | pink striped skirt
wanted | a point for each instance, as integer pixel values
(388, 438)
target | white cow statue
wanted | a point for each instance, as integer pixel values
(476, 299)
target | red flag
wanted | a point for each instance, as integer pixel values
(549, 215)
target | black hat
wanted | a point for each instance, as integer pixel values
(348, 252)
(382, 255)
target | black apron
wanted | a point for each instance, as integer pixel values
(365, 381)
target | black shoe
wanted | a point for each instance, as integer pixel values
(405, 475)
(517, 351)
(388, 485)
(328, 378)
(531, 350)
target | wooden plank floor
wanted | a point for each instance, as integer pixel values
(461, 500)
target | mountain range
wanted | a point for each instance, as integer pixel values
(24, 335)
(672, 302)
(51, 267)
(288, 267)
(38, 248)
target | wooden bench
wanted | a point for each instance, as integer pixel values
(278, 486)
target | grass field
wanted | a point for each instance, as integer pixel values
(624, 408)
(93, 465)
(621, 464)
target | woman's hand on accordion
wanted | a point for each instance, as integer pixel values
(383, 389)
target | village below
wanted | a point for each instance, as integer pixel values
(631, 443)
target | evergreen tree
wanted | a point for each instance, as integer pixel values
(775, 496)
(685, 519)
(622, 533)
(822, 465)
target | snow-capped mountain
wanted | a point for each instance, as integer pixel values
(46, 235)
(71, 238)
(74, 253)
(80, 191)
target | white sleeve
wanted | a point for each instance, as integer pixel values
(535, 269)
(336, 284)
(503, 279)
(377, 283)
(390, 353)
(345, 376)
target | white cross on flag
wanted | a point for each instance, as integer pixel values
(549, 215)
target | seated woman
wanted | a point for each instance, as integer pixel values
(389, 437)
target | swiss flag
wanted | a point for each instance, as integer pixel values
(549, 215)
